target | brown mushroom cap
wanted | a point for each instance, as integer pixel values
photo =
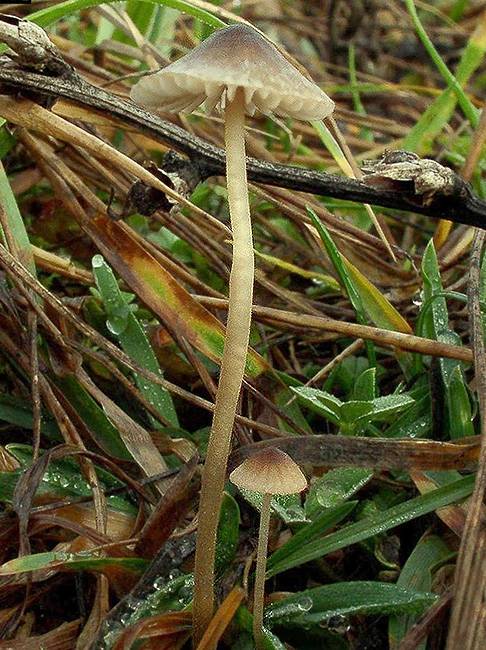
(269, 471)
(231, 58)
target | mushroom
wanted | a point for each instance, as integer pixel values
(269, 472)
(240, 71)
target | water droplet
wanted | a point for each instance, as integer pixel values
(336, 623)
(305, 604)
(116, 325)
(97, 261)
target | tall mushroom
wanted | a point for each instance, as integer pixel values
(239, 71)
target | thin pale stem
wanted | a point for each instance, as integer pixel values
(261, 566)
(232, 367)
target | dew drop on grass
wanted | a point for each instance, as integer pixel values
(116, 325)
(97, 261)
(336, 623)
(289, 611)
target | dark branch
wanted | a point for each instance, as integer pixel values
(384, 187)
(377, 453)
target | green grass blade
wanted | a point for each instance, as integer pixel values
(371, 526)
(366, 133)
(142, 14)
(313, 607)
(103, 431)
(63, 479)
(123, 324)
(15, 411)
(421, 137)
(61, 560)
(335, 487)
(435, 323)
(467, 107)
(7, 141)
(311, 533)
(333, 147)
(416, 575)
(344, 277)
(163, 29)
(15, 223)
(458, 9)
(339, 266)
(50, 15)
(365, 387)
(228, 534)
(377, 307)
(319, 401)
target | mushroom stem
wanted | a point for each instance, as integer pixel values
(232, 366)
(261, 565)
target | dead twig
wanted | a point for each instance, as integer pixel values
(454, 201)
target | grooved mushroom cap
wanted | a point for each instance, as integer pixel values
(269, 471)
(231, 58)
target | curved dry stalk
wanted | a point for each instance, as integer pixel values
(222, 618)
(299, 322)
(467, 626)
(32, 116)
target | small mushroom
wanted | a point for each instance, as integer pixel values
(239, 71)
(268, 472)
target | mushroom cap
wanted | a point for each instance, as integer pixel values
(231, 58)
(269, 471)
